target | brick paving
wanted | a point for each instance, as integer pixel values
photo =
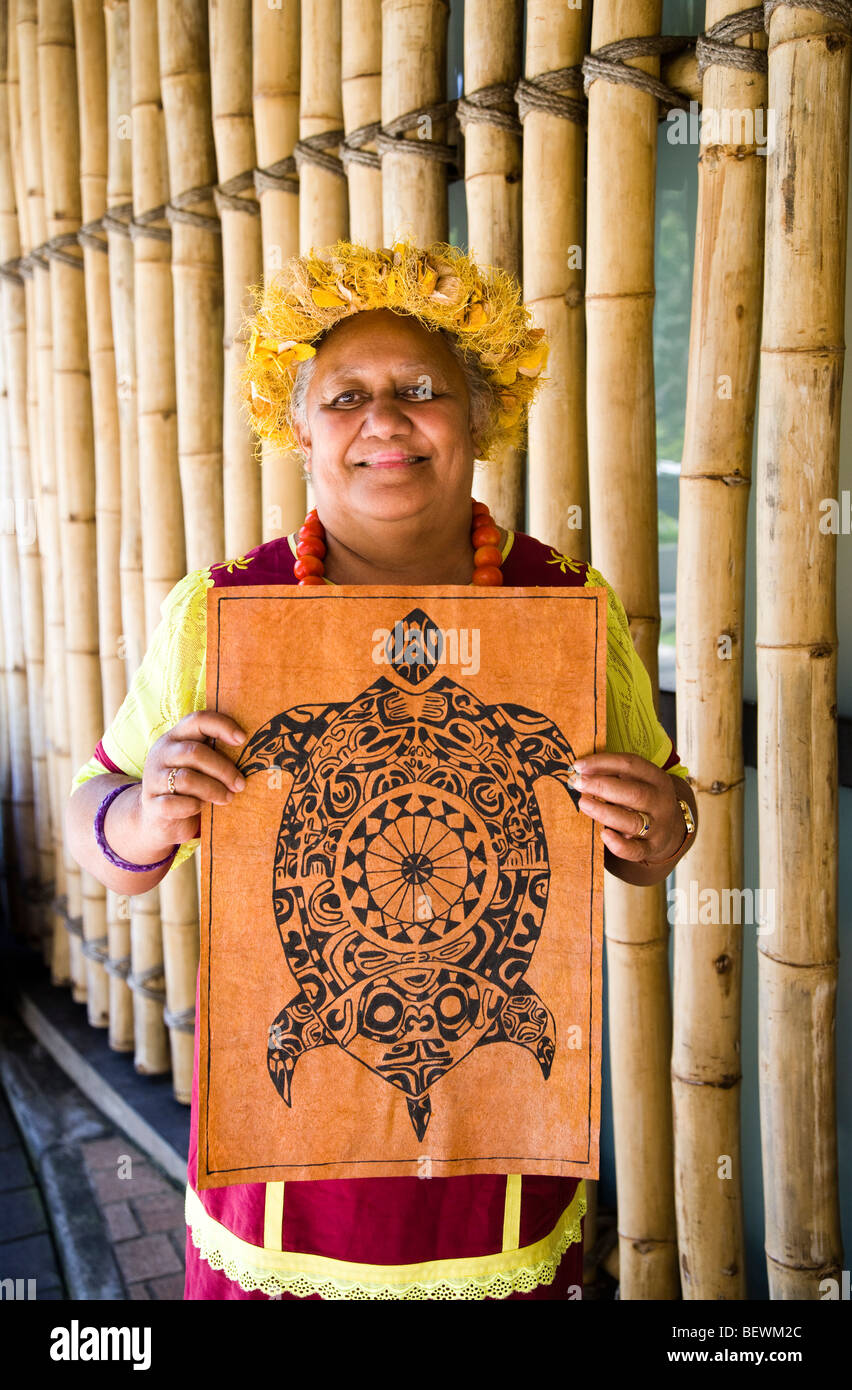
(143, 1211)
(83, 1212)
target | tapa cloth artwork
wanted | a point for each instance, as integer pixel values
(401, 919)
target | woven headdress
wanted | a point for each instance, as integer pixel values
(438, 285)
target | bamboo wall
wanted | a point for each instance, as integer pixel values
(156, 160)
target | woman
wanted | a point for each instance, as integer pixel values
(391, 371)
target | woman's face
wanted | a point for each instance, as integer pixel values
(388, 434)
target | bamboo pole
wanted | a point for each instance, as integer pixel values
(492, 180)
(233, 129)
(239, 210)
(152, 508)
(120, 550)
(101, 271)
(30, 570)
(276, 60)
(23, 513)
(28, 622)
(161, 517)
(39, 360)
(67, 961)
(90, 37)
(22, 365)
(622, 487)
(13, 323)
(18, 831)
(25, 863)
(20, 716)
(196, 273)
(361, 90)
(60, 142)
(13, 91)
(179, 913)
(323, 190)
(163, 545)
(414, 75)
(714, 489)
(680, 72)
(198, 338)
(802, 356)
(554, 242)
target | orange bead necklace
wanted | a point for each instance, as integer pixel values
(487, 559)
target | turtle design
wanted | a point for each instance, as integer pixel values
(411, 874)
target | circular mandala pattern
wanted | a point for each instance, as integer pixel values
(415, 864)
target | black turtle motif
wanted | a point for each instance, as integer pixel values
(411, 872)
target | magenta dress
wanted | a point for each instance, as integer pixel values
(471, 1237)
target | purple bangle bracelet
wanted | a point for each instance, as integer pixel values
(100, 820)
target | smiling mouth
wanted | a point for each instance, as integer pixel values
(392, 463)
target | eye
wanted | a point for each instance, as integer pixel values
(421, 391)
(416, 391)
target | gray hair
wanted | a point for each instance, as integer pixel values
(483, 404)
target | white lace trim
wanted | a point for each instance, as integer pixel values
(250, 1266)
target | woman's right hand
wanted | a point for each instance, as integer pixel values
(202, 774)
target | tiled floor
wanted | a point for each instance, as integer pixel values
(143, 1211)
(29, 1267)
(83, 1214)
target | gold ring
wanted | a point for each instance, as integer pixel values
(171, 782)
(646, 825)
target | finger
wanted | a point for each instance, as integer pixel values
(626, 792)
(624, 848)
(191, 786)
(189, 753)
(173, 811)
(210, 723)
(624, 765)
(624, 821)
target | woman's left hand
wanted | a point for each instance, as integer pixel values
(615, 788)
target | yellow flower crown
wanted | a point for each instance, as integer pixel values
(438, 285)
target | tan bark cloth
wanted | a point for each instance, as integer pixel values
(401, 921)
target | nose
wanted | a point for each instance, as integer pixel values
(385, 416)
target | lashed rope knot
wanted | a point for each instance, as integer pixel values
(610, 64)
(352, 150)
(54, 250)
(118, 967)
(90, 234)
(179, 209)
(390, 139)
(140, 982)
(282, 176)
(182, 1020)
(546, 93)
(485, 107)
(118, 219)
(14, 270)
(96, 949)
(717, 44)
(227, 194)
(142, 225)
(314, 149)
